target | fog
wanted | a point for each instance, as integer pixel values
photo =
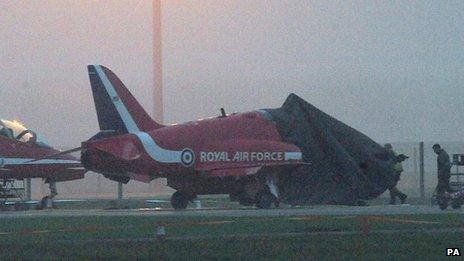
(393, 70)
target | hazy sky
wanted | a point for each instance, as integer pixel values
(392, 69)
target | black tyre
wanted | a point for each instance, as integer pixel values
(179, 200)
(264, 200)
(455, 204)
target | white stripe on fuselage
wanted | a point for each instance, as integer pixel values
(293, 156)
(154, 151)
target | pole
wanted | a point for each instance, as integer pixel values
(119, 190)
(158, 107)
(421, 168)
(157, 64)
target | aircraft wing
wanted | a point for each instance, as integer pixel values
(53, 169)
(71, 173)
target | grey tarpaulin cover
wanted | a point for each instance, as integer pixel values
(345, 165)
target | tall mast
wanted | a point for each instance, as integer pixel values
(158, 111)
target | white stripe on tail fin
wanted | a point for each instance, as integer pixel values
(117, 109)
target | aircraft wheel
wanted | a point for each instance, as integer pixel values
(264, 200)
(179, 200)
(455, 204)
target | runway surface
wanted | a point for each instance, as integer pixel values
(242, 212)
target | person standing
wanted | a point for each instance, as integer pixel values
(443, 170)
(398, 169)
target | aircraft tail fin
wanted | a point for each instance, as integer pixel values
(117, 109)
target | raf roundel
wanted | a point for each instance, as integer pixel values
(187, 157)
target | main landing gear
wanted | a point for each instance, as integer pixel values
(180, 200)
(264, 199)
(269, 194)
(262, 192)
(47, 201)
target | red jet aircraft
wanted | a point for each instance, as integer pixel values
(239, 154)
(21, 151)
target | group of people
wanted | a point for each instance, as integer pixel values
(443, 172)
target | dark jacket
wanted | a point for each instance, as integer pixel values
(443, 164)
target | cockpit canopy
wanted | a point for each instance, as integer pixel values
(17, 131)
